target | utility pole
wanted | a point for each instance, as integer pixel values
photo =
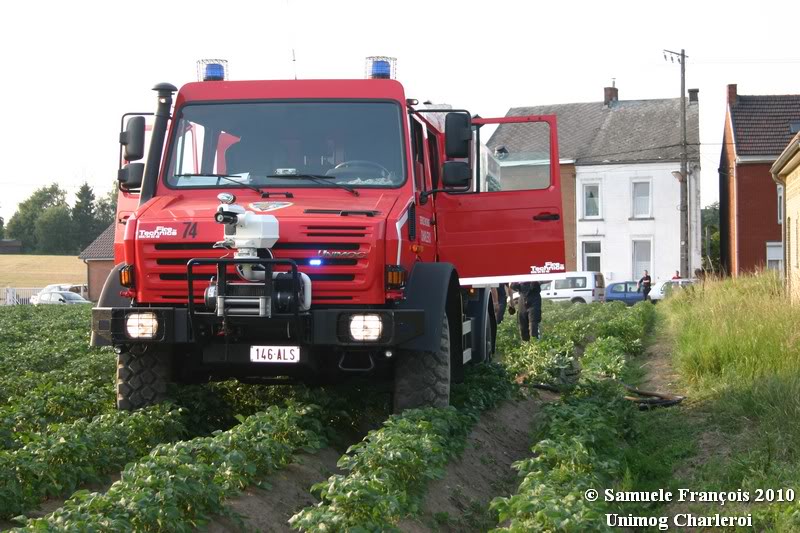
(684, 179)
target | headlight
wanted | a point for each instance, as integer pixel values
(141, 325)
(366, 327)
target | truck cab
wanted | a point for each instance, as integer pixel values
(313, 230)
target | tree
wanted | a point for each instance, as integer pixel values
(2, 228)
(709, 228)
(106, 209)
(53, 229)
(84, 220)
(23, 223)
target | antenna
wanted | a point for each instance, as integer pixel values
(294, 57)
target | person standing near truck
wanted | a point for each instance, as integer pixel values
(644, 285)
(529, 309)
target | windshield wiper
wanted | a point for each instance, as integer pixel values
(317, 178)
(229, 177)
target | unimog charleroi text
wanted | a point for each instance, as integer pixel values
(312, 230)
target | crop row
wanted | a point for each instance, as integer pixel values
(388, 471)
(85, 451)
(581, 444)
(178, 486)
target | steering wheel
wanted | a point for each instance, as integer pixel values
(362, 163)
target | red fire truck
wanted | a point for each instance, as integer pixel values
(312, 230)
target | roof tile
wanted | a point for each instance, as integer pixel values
(102, 247)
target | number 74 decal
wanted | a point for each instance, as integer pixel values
(190, 230)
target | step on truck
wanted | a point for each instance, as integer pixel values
(315, 230)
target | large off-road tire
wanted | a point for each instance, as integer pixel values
(142, 377)
(421, 378)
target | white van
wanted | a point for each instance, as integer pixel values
(576, 287)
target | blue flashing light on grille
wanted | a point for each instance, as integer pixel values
(315, 262)
(214, 72)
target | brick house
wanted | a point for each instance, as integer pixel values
(619, 193)
(757, 129)
(99, 259)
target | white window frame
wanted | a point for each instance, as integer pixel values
(634, 238)
(584, 255)
(599, 186)
(649, 182)
(775, 245)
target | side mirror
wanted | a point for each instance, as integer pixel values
(130, 176)
(457, 134)
(132, 139)
(456, 174)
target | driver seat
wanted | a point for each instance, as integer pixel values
(248, 155)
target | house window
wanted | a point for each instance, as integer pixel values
(774, 256)
(591, 256)
(591, 200)
(641, 199)
(641, 257)
(780, 204)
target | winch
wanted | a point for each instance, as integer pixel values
(252, 236)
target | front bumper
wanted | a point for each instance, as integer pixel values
(321, 327)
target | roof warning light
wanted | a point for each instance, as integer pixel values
(381, 68)
(212, 70)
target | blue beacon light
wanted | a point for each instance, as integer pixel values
(214, 72)
(381, 69)
(315, 262)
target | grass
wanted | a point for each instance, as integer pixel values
(735, 346)
(37, 271)
(40, 270)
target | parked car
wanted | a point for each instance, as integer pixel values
(82, 290)
(575, 287)
(662, 289)
(60, 297)
(624, 291)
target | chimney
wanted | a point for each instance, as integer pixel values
(693, 96)
(610, 94)
(732, 96)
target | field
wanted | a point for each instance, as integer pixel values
(206, 460)
(40, 270)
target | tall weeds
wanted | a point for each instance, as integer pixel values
(738, 341)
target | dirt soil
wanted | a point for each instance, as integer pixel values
(501, 437)
(458, 501)
(270, 509)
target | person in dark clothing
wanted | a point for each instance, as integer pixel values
(529, 309)
(644, 285)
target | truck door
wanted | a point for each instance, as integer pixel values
(509, 222)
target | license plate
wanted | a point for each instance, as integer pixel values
(275, 354)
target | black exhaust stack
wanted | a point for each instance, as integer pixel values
(165, 92)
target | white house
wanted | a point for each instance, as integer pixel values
(626, 198)
(629, 220)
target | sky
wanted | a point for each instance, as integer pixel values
(71, 69)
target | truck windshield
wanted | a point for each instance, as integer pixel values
(287, 144)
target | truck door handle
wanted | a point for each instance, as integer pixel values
(547, 216)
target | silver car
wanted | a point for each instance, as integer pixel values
(60, 298)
